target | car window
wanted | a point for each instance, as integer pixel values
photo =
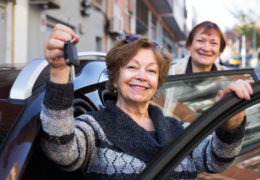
(247, 163)
(8, 114)
(7, 77)
(252, 133)
(187, 98)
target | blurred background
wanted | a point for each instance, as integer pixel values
(25, 24)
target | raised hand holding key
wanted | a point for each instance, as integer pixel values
(54, 52)
(71, 57)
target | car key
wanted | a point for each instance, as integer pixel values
(71, 57)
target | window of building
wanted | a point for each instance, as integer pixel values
(142, 12)
(51, 22)
(171, 3)
(141, 17)
(98, 43)
(169, 44)
(154, 21)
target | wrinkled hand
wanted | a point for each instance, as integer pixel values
(243, 89)
(54, 52)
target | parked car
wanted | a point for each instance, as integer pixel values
(187, 97)
(236, 61)
(233, 62)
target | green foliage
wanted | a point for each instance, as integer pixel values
(247, 25)
(131, 13)
(248, 31)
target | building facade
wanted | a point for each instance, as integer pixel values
(25, 24)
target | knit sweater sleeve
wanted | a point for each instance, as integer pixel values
(67, 142)
(217, 152)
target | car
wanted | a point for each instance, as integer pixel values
(188, 97)
(234, 62)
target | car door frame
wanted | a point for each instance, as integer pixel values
(212, 118)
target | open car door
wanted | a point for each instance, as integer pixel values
(191, 98)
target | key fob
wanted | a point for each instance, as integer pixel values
(71, 54)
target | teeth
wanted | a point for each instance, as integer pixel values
(205, 54)
(138, 87)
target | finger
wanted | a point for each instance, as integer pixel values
(247, 91)
(243, 89)
(61, 27)
(61, 35)
(53, 54)
(52, 44)
(246, 88)
(249, 87)
(240, 92)
(229, 88)
(58, 63)
(64, 33)
(219, 96)
(76, 39)
(250, 81)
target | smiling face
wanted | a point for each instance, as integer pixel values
(138, 79)
(204, 49)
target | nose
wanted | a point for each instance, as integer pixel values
(206, 46)
(141, 75)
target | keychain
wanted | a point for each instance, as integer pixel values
(71, 57)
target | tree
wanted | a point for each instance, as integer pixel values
(249, 25)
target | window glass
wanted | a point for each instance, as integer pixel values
(252, 133)
(186, 99)
(98, 43)
(8, 114)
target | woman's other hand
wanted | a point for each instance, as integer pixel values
(54, 52)
(243, 89)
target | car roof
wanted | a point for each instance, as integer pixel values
(24, 83)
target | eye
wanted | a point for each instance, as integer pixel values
(152, 71)
(131, 67)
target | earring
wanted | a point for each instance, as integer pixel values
(153, 97)
(115, 90)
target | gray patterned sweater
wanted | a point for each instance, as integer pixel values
(108, 144)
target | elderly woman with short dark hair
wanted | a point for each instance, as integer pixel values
(205, 43)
